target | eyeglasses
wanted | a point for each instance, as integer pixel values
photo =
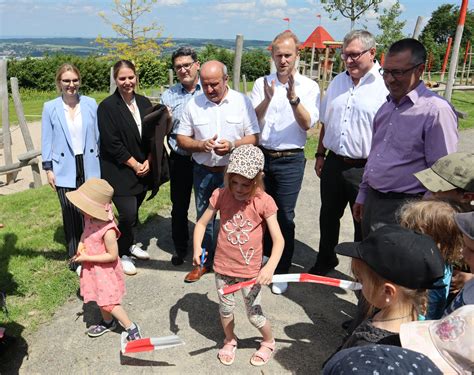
(68, 81)
(397, 73)
(186, 66)
(353, 56)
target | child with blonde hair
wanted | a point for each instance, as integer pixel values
(102, 277)
(246, 211)
(395, 266)
(435, 218)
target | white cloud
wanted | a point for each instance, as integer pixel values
(386, 4)
(276, 13)
(171, 3)
(273, 3)
(236, 7)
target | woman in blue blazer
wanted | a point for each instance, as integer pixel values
(70, 147)
(125, 155)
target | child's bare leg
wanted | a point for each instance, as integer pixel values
(267, 336)
(106, 316)
(119, 313)
(228, 326)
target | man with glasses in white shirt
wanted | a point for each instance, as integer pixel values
(347, 110)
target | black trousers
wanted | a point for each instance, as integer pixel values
(181, 185)
(339, 186)
(127, 207)
(73, 222)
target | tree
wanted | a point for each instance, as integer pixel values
(389, 25)
(443, 24)
(135, 42)
(352, 9)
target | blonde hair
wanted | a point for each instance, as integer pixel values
(63, 69)
(257, 182)
(416, 298)
(286, 35)
(435, 218)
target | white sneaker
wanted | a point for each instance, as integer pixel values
(279, 288)
(128, 266)
(139, 253)
(78, 270)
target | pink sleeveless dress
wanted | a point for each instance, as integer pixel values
(100, 282)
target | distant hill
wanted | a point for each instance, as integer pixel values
(37, 47)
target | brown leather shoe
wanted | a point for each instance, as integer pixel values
(196, 274)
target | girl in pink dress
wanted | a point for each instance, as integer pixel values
(102, 278)
(245, 211)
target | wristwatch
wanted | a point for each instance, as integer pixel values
(232, 147)
(295, 101)
(320, 155)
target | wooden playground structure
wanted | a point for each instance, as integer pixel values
(11, 168)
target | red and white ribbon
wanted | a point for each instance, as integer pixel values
(149, 344)
(296, 278)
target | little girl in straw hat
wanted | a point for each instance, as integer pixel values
(102, 277)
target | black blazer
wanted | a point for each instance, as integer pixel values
(119, 140)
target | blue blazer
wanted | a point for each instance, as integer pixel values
(56, 144)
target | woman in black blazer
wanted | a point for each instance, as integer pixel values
(125, 155)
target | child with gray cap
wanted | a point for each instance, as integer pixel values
(246, 211)
(451, 177)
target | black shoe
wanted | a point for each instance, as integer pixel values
(177, 260)
(322, 268)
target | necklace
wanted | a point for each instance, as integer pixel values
(390, 319)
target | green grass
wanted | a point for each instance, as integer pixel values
(464, 101)
(33, 100)
(33, 258)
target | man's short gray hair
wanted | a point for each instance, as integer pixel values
(366, 38)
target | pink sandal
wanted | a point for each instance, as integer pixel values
(223, 352)
(264, 356)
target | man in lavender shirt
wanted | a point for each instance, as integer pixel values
(412, 130)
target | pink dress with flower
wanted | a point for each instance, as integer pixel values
(100, 282)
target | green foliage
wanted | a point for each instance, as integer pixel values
(39, 74)
(212, 52)
(255, 64)
(351, 9)
(443, 24)
(390, 27)
(152, 71)
(135, 42)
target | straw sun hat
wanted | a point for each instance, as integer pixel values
(93, 198)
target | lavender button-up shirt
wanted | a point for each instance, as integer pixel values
(409, 136)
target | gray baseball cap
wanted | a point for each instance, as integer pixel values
(452, 171)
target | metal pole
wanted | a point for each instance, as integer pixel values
(239, 46)
(455, 56)
(170, 77)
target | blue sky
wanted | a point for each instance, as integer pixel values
(214, 19)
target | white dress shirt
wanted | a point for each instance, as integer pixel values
(75, 128)
(347, 112)
(279, 129)
(231, 119)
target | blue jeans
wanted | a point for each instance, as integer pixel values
(283, 179)
(205, 182)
